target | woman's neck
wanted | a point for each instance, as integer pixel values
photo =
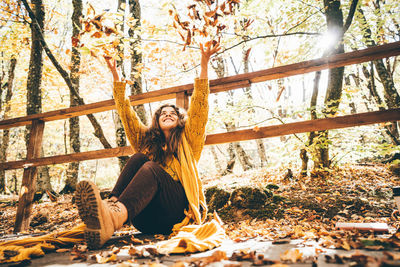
(166, 135)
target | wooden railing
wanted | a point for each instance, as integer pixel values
(181, 94)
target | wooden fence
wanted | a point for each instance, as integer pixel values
(181, 94)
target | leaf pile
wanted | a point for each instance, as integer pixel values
(308, 207)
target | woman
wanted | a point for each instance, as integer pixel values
(159, 190)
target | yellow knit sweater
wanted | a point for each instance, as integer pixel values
(198, 236)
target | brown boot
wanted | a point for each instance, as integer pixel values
(102, 217)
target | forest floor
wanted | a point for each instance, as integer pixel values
(270, 216)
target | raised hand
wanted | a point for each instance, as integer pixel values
(207, 50)
(112, 66)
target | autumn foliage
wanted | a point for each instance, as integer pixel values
(204, 19)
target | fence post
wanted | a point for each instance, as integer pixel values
(182, 100)
(28, 186)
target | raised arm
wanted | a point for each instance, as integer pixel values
(198, 109)
(134, 128)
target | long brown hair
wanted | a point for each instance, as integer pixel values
(154, 144)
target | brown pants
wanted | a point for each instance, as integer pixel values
(155, 202)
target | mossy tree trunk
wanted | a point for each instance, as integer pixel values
(391, 96)
(379, 102)
(334, 19)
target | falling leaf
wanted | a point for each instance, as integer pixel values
(210, 13)
(97, 34)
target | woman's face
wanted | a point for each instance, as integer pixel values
(168, 119)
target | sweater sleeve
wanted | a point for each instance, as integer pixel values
(133, 127)
(197, 117)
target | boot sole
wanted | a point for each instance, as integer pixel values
(86, 199)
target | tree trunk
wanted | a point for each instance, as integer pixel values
(236, 147)
(311, 136)
(32, 134)
(244, 159)
(231, 161)
(216, 160)
(120, 136)
(43, 181)
(334, 18)
(34, 80)
(6, 132)
(136, 59)
(391, 96)
(248, 93)
(379, 103)
(74, 126)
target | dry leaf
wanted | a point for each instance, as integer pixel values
(292, 255)
(136, 241)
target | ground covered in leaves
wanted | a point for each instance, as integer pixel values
(268, 206)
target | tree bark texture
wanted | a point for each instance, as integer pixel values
(136, 58)
(231, 160)
(370, 76)
(391, 96)
(244, 159)
(33, 106)
(120, 136)
(313, 114)
(74, 127)
(216, 160)
(34, 81)
(6, 132)
(247, 90)
(334, 19)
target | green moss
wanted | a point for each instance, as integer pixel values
(248, 197)
(272, 187)
(216, 198)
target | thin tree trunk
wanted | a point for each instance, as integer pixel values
(391, 96)
(236, 147)
(74, 126)
(311, 135)
(120, 136)
(216, 160)
(379, 103)
(231, 161)
(136, 59)
(242, 156)
(6, 132)
(260, 145)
